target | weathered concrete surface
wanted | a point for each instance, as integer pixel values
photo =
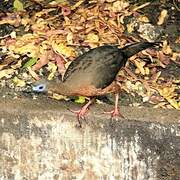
(39, 140)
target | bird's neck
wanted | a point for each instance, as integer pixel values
(59, 88)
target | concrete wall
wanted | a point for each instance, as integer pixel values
(39, 139)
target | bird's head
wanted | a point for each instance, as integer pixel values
(40, 86)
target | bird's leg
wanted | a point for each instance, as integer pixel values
(81, 113)
(116, 112)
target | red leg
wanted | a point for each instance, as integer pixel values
(115, 112)
(81, 113)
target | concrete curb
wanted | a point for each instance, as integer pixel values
(40, 140)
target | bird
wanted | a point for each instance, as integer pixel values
(93, 74)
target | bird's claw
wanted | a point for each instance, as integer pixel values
(80, 114)
(115, 113)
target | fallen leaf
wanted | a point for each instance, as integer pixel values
(52, 69)
(18, 5)
(69, 38)
(162, 17)
(78, 3)
(80, 99)
(140, 66)
(175, 56)
(19, 82)
(166, 48)
(6, 73)
(143, 19)
(33, 74)
(118, 6)
(155, 76)
(92, 38)
(63, 49)
(43, 60)
(59, 97)
(164, 59)
(173, 103)
(30, 63)
(131, 27)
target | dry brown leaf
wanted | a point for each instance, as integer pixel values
(118, 6)
(141, 6)
(12, 19)
(164, 59)
(155, 76)
(33, 74)
(6, 61)
(43, 60)
(60, 61)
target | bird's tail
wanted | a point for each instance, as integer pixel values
(132, 49)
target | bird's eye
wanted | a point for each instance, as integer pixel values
(41, 87)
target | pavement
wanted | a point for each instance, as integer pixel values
(40, 139)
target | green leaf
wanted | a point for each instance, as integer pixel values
(80, 99)
(18, 5)
(30, 63)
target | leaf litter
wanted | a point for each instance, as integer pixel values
(54, 36)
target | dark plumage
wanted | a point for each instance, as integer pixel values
(93, 73)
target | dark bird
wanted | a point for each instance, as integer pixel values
(93, 74)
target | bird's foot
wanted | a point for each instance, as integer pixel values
(115, 113)
(80, 114)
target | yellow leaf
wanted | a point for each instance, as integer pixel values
(173, 103)
(19, 82)
(130, 27)
(140, 66)
(162, 16)
(52, 68)
(167, 92)
(63, 49)
(29, 49)
(143, 19)
(92, 38)
(166, 48)
(69, 38)
(146, 70)
(59, 97)
(77, 4)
